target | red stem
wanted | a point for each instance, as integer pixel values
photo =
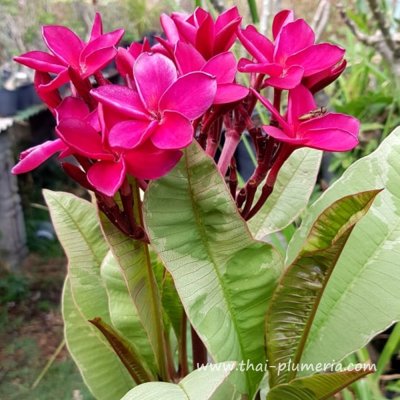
(199, 351)
(284, 152)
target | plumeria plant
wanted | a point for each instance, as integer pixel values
(174, 289)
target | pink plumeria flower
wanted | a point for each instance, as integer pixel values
(67, 50)
(199, 29)
(294, 55)
(143, 131)
(223, 67)
(111, 162)
(126, 57)
(70, 108)
(304, 127)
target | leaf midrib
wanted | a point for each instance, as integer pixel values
(203, 237)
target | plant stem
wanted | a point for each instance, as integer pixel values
(253, 11)
(183, 362)
(199, 350)
(267, 189)
(155, 294)
(232, 139)
(101, 81)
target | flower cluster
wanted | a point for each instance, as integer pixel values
(184, 88)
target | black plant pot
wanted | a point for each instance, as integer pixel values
(8, 102)
(27, 97)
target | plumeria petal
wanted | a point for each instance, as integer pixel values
(317, 58)
(33, 157)
(256, 44)
(179, 96)
(72, 107)
(173, 132)
(61, 79)
(148, 162)
(320, 80)
(107, 176)
(41, 61)
(222, 66)
(169, 28)
(97, 60)
(110, 39)
(271, 69)
(205, 35)
(186, 30)
(289, 79)
(332, 121)
(93, 120)
(225, 38)
(331, 139)
(130, 134)
(82, 138)
(282, 136)
(97, 27)
(153, 74)
(229, 93)
(51, 98)
(293, 37)
(226, 26)
(124, 61)
(187, 58)
(225, 18)
(64, 43)
(300, 102)
(123, 99)
(280, 20)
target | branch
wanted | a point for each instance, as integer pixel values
(375, 41)
(321, 18)
(382, 24)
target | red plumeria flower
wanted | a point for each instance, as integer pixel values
(199, 29)
(294, 55)
(305, 127)
(67, 50)
(223, 66)
(70, 108)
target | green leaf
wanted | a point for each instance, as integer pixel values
(123, 312)
(76, 224)
(292, 190)
(171, 303)
(102, 371)
(362, 297)
(317, 387)
(223, 276)
(134, 260)
(297, 297)
(201, 384)
(78, 230)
